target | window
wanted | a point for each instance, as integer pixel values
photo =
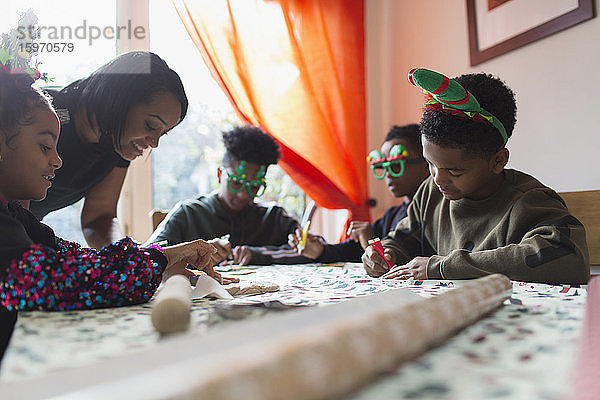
(185, 164)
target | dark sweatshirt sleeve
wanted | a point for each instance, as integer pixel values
(348, 250)
(172, 229)
(379, 229)
(71, 277)
(286, 224)
(351, 251)
(278, 251)
(284, 254)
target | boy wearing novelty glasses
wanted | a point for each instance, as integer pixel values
(400, 164)
(230, 219)
(473, 216)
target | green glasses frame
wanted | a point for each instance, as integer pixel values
(393, 165)
(236, 181)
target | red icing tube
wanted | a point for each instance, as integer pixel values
(376, 245)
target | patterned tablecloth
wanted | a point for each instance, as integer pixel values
(525, 350)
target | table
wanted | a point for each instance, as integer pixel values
(524, 350)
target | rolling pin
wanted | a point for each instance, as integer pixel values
(172, 306)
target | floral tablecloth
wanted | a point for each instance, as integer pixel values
(524, 350)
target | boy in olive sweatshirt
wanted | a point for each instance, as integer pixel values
(473, 217)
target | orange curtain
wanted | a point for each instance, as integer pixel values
(296, 69)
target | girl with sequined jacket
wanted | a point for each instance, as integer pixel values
(39, 271)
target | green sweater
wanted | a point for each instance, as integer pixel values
(264, 229)
(523, 231)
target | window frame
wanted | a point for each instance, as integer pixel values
(135, 202)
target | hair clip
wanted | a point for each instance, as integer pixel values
(14, 55)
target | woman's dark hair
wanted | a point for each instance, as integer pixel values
(110, 92)
(410, 132)
(251, 144)
(17, 100)
(480, 139)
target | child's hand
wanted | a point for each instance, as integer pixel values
(223, 247)
(415, 268)
(361, 232)
(241, 255)
(294, 239)
(314, 244)
(198, 253)
(374, 264)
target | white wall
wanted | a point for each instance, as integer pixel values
(557, 135)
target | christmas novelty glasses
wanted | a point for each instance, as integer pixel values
(238, 179)
(393, 164)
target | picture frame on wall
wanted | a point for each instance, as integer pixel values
(499, 26)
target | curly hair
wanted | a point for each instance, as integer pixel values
(409, 132)
(480, 139)
(251, 144)
(17, 100)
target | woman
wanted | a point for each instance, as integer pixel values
(107, 120)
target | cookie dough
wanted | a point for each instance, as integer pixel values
(250, 288)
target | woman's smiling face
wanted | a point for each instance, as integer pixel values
(147, 122)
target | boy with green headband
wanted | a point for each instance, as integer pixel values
(473, 217)
(239, 228)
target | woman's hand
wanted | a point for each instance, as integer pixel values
(179, 268)
(199, 253)
(374, 264)
(223, 280)
(223, 247)
(415, 268)
(361, 232)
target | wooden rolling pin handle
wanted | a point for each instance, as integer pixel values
(172, 306)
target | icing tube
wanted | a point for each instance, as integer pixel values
(376, 245)
(171, 308)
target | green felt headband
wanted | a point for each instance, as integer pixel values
(451, 97)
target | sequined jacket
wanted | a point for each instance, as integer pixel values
(39, 271)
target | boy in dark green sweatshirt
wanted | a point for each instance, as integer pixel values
(473, 217)
(257, 234)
